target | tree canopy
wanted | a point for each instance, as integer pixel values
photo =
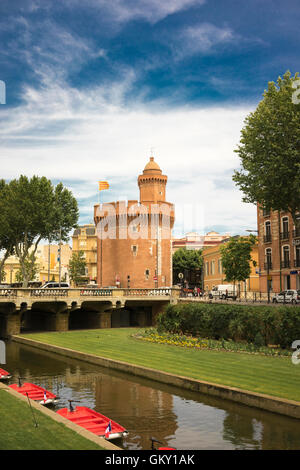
(236, 258)
(6, 230)
(269, 149)
(35, 210)
(77, 266)
(186, 260)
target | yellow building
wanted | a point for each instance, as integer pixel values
(46, 271)
(44, 252)
(85, 239)
(213, 273)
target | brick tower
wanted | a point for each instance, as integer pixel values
(134, 239)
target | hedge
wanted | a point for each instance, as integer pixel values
(261, 325)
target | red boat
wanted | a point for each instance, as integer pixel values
(36, 393)
(94, 422)
(4, 375)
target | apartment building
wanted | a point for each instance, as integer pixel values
(213, 273)
(279, 251)
(85, 239)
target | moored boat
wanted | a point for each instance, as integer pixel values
(36, 393)
(94, 422)
(4, 375)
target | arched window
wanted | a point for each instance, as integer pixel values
(285, 228)
(268, 262)
(268, 235)
(285, 263)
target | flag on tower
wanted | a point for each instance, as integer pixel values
(103, 185)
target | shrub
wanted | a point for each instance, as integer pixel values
(260, 325)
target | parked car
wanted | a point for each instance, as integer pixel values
(223, 291)
(52, 285)
(287, 296)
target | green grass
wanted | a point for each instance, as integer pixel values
(18, 432)
(276, 376)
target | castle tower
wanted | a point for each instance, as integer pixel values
(152, 184)
(139, 252)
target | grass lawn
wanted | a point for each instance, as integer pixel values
(18, 432)
(276, 376)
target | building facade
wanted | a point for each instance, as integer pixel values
(85, 239)
(194, 241)
(279, 251)
(213, 273)
(47, 262)
(134, 238)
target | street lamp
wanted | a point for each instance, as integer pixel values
(268, 275)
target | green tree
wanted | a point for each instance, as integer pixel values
(6, 231)
(37, 210)
(31, 269)
(236, 258)
(269, 150)
(77, 267)
(186, 260)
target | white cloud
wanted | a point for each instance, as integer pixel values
(201, 38)
(81, 137)
(52, 56)
(151, 10)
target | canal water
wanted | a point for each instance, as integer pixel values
(180, 419)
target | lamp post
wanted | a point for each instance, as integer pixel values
(268, 275)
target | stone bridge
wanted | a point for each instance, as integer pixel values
(62, 309)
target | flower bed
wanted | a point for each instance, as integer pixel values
(153, 336)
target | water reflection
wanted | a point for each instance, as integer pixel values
(180, 419)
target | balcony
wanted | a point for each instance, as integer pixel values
(268, 265)
(296, 233)
(297, 263)
(284, 235)
(285, 263)
(268, 238)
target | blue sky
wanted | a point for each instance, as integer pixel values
(92, 86)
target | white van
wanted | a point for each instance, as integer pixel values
(224, 291)
(54, 285)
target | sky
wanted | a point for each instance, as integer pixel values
(94, 88)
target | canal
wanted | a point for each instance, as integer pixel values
(180, 419)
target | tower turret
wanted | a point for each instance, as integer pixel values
(152, 184)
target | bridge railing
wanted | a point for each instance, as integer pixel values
(85, 292)
(8, 292)
(163, 291)
(96, 292)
